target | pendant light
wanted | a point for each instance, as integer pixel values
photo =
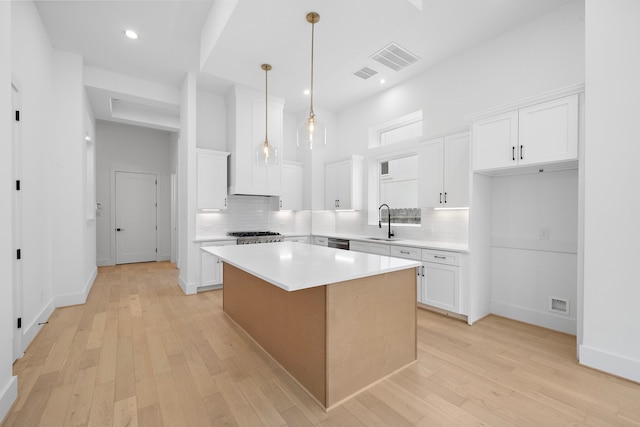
(310, 132)
(266, 154)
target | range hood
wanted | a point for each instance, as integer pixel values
(245, 129)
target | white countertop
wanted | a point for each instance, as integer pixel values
(223, 238)
(294, 266)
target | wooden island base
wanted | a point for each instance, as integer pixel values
(335, 340)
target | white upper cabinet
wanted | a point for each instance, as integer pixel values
(543, 133)
(245, 130)
(292, 186)
(548, 132)
(211, 179)
(444, 172)
(343, 184)
(494, 141)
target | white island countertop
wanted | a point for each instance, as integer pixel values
(294, 266)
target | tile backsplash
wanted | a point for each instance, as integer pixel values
(252, 213)
(258, 213)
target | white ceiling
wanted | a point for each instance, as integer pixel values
(276, 32)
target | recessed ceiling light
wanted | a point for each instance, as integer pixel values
(307, 92)
(130, 34)
(382, 81)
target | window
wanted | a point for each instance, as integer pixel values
(397, 130)
(398, 188)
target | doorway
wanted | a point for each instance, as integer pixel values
(135, 217)
(16, 137)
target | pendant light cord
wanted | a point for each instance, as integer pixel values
(313, 26)
(266, 107)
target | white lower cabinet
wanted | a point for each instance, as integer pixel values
(414, 254)
(442, 280)
(211, 265)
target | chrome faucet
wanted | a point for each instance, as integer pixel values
(389, 234)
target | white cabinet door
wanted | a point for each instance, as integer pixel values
(344, 184)
(441, 286)
(211, 179)
(331, 186)
(292, 187)
(548, 132)
(445, 172)
(211, 265)
(456, 170)
(357, 246)
(494, 141)
(432, 173)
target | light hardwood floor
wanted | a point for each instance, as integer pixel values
(139, 352)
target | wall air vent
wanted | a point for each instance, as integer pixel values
(558, 305)
(395, 57)
(365, 73)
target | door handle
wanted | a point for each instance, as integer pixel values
(119, 229)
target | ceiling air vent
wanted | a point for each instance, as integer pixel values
(365, 73)
(395, 57)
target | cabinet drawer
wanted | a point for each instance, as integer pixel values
(358, 246)
(320, 241)
(441, 257)
(406, 252)
(379, 248)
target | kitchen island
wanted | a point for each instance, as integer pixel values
(336, 321)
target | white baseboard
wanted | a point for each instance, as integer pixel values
(32, 329)
(611, 363)
(557, 322)
(8, 396)
(79, 297)
(187, 288)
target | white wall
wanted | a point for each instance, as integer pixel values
(189, 252)
(127, 148)
(544, 54)
(611, 338)
(526, 269)
(8, 383)
(68, 175)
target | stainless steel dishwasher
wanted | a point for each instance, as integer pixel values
(338, 243)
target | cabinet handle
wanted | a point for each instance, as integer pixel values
(338, 203)
(280, 202)
(445, 197)
(405, 252)
(440, 257)
(225, 201)
(521, 152)
(440, 197)
(423, 271)
(513, 153)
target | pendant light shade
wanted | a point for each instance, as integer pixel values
(310, 132)
(265, 153)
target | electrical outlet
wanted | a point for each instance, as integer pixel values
(544, 233)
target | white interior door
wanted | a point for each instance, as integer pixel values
(136, 223)
(17, 226)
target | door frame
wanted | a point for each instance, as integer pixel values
(17, 213)
(112, 214)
